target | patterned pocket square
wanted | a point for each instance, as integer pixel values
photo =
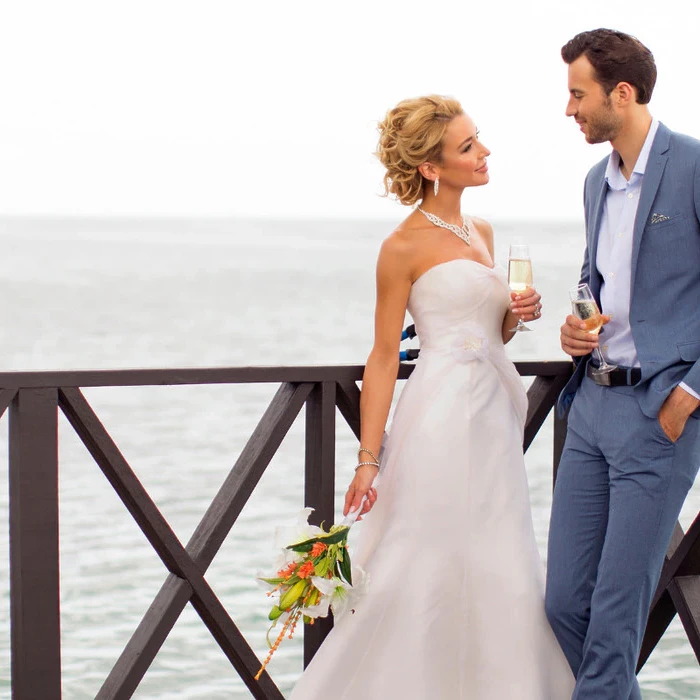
(658, 218)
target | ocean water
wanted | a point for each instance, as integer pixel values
(192, 293)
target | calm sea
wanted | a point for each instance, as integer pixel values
(174, 293)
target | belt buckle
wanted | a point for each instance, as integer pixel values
(601, 378)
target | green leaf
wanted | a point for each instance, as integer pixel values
(341, 535)
(302, 546)
(345, 570)
(272, 581)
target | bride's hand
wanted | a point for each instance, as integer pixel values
(526, 304)
(360, 486)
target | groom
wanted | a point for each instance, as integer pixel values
(633, 443)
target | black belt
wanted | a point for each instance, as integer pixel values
(622, 376)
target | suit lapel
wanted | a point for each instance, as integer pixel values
(650, 186)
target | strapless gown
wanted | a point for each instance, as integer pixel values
(455, 607)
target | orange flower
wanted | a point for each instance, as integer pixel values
(306, 569)
(287, 571)
(318, 548)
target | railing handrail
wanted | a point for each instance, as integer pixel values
(52, 379)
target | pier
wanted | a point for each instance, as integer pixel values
(34, 399)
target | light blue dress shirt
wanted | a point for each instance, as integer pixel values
(614, 255)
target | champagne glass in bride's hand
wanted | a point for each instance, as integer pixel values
(519, 275)
(585, 307)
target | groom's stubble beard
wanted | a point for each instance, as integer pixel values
(604, 125)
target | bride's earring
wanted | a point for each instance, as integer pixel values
(436, 186)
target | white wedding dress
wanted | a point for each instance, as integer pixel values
(455, 606)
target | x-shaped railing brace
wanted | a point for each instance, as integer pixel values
(187, 565)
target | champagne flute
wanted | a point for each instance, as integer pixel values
(519, 275)
(585, 307)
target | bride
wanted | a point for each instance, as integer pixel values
(455, 604)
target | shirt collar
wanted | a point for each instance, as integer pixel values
(613, 174)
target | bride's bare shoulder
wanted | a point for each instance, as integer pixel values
(409, 234)
(401, 247)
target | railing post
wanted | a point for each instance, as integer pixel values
(319, 488)
(34, 560)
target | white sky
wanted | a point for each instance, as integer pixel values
(225, 108)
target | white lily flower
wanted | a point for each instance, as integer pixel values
(320, 609)
(341, 595)
(286, 557)
(300, 531)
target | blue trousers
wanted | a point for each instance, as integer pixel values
(620, 487)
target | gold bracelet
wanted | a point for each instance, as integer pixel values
(369, 452)
(362, 464)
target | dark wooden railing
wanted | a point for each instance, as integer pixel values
(33, 399)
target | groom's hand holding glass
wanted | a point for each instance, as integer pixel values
(576, 337)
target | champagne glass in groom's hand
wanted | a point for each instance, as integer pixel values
(585, 307)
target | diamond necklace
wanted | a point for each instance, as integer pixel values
(463, 232)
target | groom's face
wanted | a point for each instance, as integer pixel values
(588, 104)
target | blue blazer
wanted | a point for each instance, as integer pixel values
(665, 295)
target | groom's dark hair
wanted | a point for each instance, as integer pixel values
(616, 57)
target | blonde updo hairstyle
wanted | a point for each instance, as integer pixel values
(410, 135)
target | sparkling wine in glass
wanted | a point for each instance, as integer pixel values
(585, 307)
(519, 275)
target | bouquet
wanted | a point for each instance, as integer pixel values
(315, 575)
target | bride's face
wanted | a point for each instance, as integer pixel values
(463, 155)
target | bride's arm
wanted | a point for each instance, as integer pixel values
(379, 379)
(510, 320)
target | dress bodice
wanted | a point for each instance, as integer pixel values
(458, 308)
(459, 300)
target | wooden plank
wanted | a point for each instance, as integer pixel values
(147, 640)
(247, 471)
(541, 396)
(685, 593)
(347, 399)
(6, 396)
(122, 478)
(181, 376)
(682, 558)
(163, 540)
(319, 484)
(206, 541)
(662, 614)
(682, 548)
(671, 561)
(226, 375)
(35, 627)
(557, 368)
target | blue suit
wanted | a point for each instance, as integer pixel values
(621, 481)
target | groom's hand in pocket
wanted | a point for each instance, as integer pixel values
(675, 411)
(575, 339)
